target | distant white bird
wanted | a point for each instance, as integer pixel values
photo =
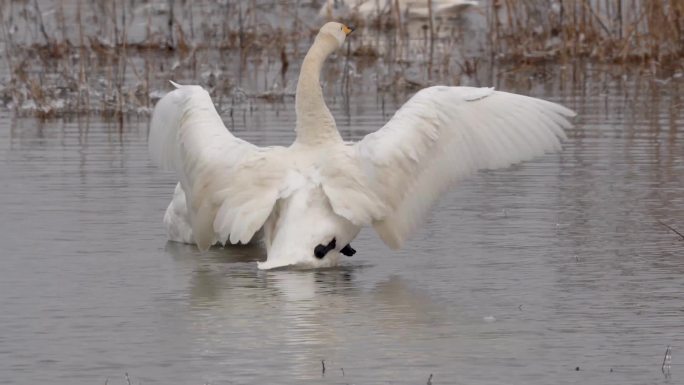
(312, 198)
(411, 8)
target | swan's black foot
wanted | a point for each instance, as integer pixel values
(348, 250)
(321, 250)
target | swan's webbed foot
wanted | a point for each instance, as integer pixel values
(348, 250)
(321, 250)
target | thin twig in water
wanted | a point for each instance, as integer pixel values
(322, 368)
(671, 228)
(667, 361)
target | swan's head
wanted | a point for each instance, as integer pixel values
(303, 231)
(336, 30)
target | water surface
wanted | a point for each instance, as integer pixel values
(519, 276)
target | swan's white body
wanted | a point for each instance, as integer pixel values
(411, 8)
(321, 188)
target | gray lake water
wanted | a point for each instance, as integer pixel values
(519, 276)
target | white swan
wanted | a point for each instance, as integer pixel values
(312, 198)
(411, 8)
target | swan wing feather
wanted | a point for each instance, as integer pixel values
(443, 134)
(219, 173)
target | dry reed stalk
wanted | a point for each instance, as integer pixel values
(7, 38)
(431, 28)
(400, 31)
(41, 24)
(83, 77)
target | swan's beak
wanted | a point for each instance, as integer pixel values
(347, 29)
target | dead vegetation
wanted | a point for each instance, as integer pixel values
(606, 31)
(113, 57)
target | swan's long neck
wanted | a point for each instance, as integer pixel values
(315, 123)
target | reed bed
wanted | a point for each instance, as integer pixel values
(113, 57)
(606, 31)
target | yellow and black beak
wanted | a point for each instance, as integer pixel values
(347, 29)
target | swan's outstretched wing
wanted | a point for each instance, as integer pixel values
(230, 184)
(443, 134)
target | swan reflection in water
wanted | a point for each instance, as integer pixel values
(301, 316)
